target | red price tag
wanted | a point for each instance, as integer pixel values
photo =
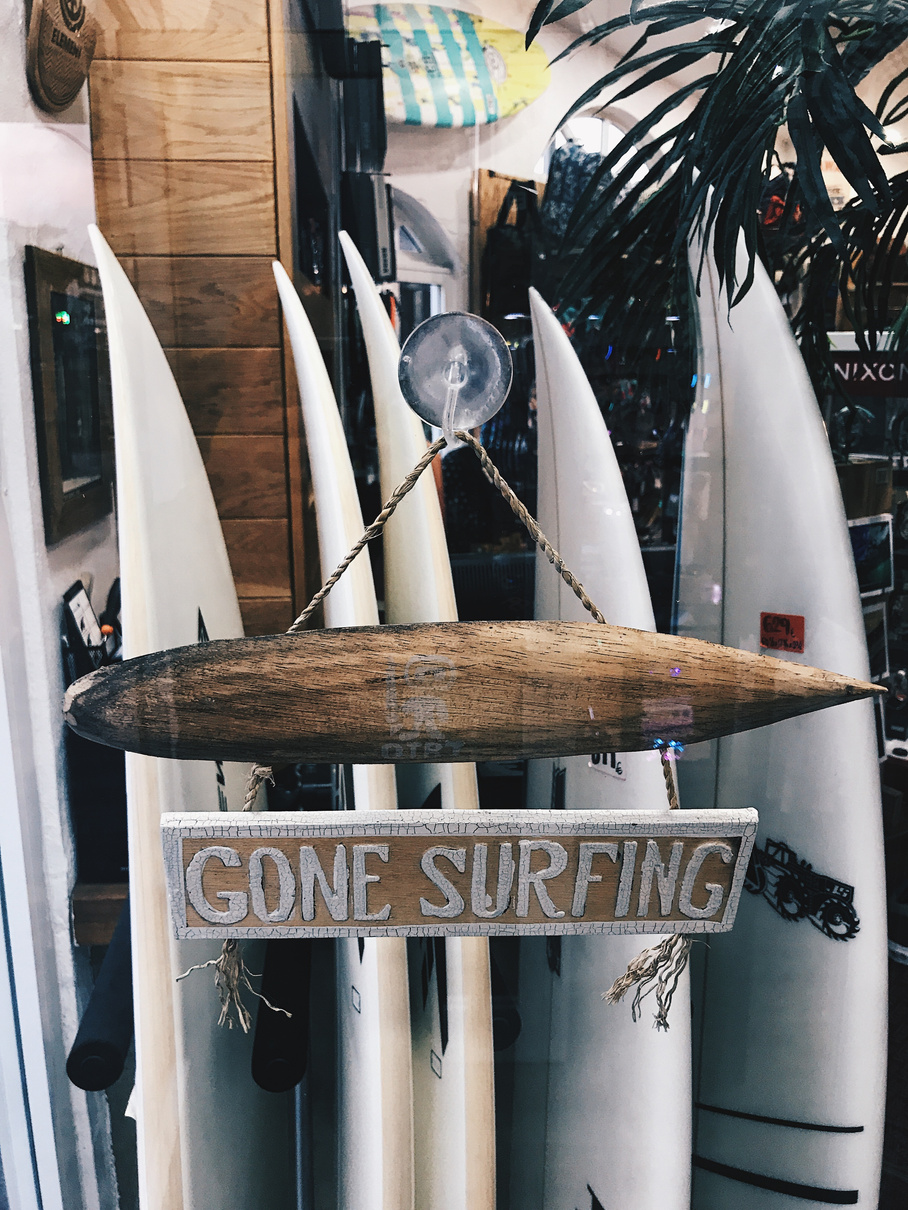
(782, 632)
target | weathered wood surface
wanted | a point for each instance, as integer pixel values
(208, 302)
(172, 29)
(181, 111)
(230, 391)
(259, 550)
(184, 208)
(393, 873)
(96, 908)
(457, 691)
(247, 474)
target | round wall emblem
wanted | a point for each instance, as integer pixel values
(61, 43)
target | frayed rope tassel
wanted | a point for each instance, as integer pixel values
(657, 969)
(230, 978)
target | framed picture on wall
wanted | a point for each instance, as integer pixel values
(70, 381)
(877, 639)
(871, 545)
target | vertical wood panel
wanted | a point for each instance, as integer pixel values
(260, 557)
(208, 302)
(182, 29)
(247, 475)
(267, 615)
(192, 150)
(231, 390)
(181, 111)
(186, 208)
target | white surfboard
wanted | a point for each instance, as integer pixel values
(375, 1114)
(601, 1103)
(792, 1010)
(451, 1005)
(208, 1137)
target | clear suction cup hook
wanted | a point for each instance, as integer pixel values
(455, 371)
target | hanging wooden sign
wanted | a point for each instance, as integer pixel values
(453, 691)
(390, 873)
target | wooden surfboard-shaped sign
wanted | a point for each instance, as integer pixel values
(453, 691)
(386, 873)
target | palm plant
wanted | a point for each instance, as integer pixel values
(861, 271)
(697, 163)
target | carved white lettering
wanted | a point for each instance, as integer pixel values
(527, 877)
(311, 872)
(480, 899)
(286, 885)
(454, 903)
(588, 849)
(666, 880)
(716, 892)
(237, 901)
(626, 881)
(361, 880)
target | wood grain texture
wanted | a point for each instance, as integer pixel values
(247, 475)
(181, 111)
(259, 556)
(185, 208)
(230, 390)
(266, 615)
(96, 908)
(208, 302)
(456, 691)
(174, 29)
(436, 872)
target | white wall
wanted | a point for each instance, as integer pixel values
(46, 199)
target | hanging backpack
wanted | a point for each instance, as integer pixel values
(514, 254)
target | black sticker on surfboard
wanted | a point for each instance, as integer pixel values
(797, 891)
(553, 954)
(435, 963)
(559, 786)
(595, 1204)
(219, 765)
(610, 763)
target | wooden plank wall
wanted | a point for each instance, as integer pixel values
(190, 148)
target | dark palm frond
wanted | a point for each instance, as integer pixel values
(762, 63)
(898, 107)
(547, 11)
